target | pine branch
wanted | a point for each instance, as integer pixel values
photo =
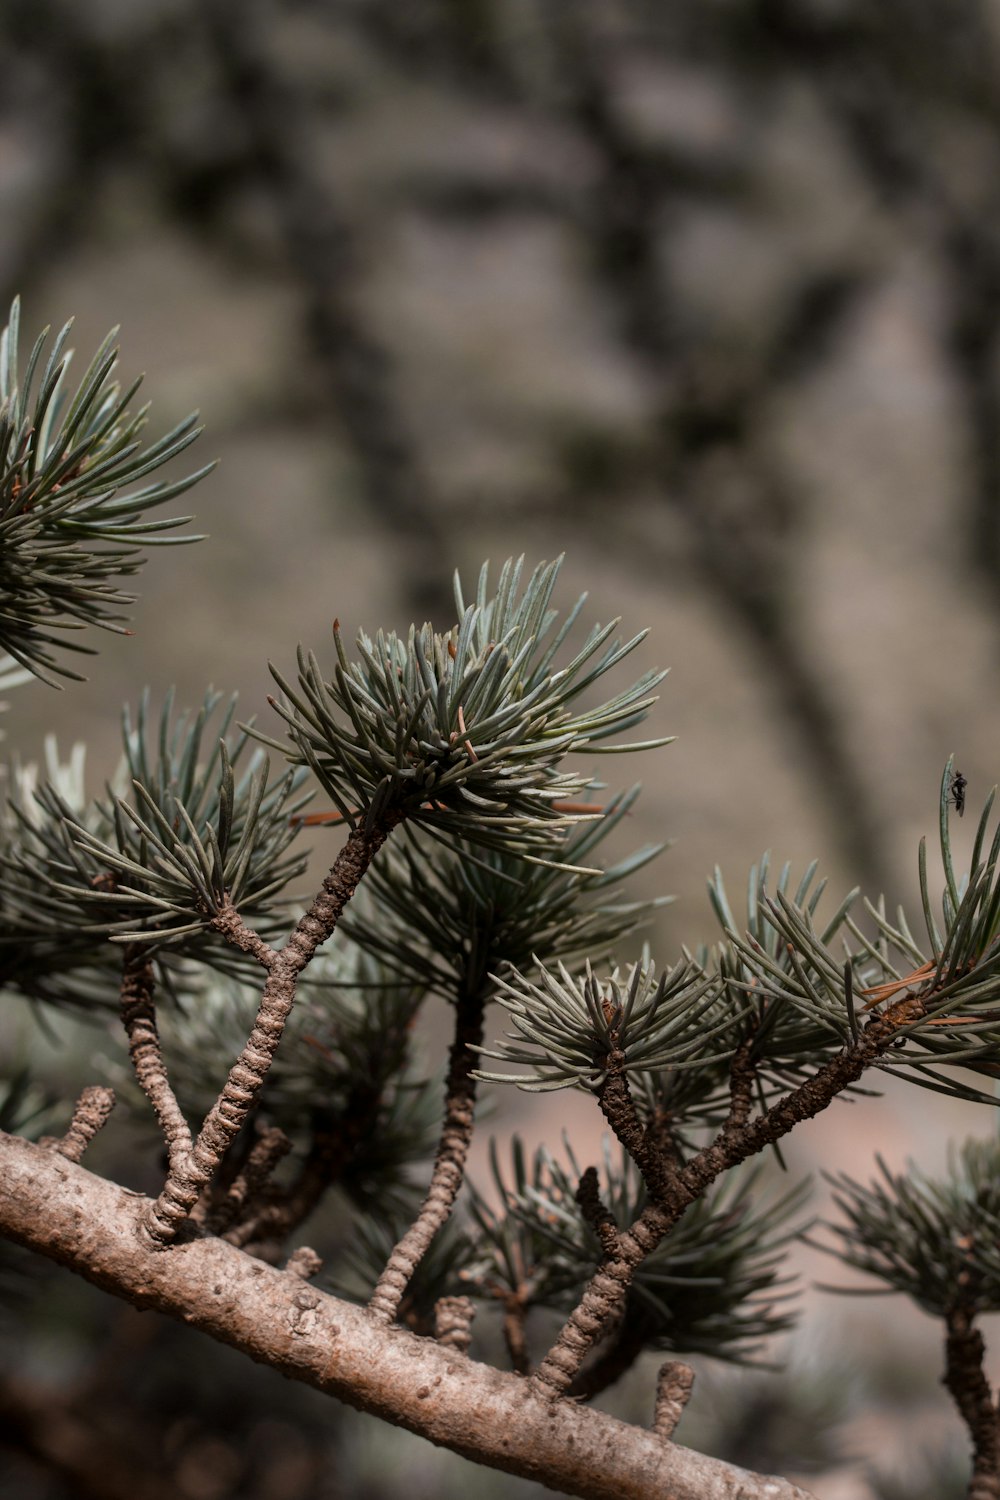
(138, 1013)
(246, 1077)
(453, 1322)
(965, 1378)
(936, 1240)
(240, 935)
(674, 1384)
(614, 1357)
(449, 1163)
(600, 1220)
(278, 1211)
(618, 1107)
(94, 1228)
(515, 1312)
(266, 1152)
(90, 1114)
(67, 532)
(742, 1074)
(709, 1287)
(603, 1300)
(304, 1263)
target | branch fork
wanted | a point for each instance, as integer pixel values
(93, 1226)
(741, 1137)
(194, 1163)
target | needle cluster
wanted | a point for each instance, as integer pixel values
(67, 530)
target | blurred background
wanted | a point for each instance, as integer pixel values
(706, 297)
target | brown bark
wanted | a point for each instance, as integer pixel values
(515, 1334)
(192, 1173)
(674, 1385)
(449, 1163)
(641, 1143)
(90, 1114)
(453, 1322)
(277, 1211)
(614, 1358)
(95, 1227)
(138, 1013)
(266, 1152)
(603, 1300)
(966, 1380)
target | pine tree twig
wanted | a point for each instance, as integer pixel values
(90, 1114)
(742, 1072)
(603, 1300)
(210, 1201)
(271, 1145)
(618, 1107)
(674, 1384)
(449, 1163)
(281, 1209)
(304, 1263)
(453, 1322)
(94, 1227)
(600, 1219)
(662, 1140)
(616, 1355)
(138, 1013)
(966, 1381)
(227, 1116)
(230, 924)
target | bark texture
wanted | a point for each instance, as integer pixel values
(191, 1173)
(965, 1378)
(449, 1163)
(94, 1227)
(603, 1300)
(90, 1114)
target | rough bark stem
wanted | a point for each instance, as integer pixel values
(449, 1164)
(92, 1226)
(138, 1013)
(603, 1300)
(90, 1114)
(225, 1119)
(966, 1381)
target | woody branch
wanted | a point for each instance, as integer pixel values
(92, 1226)
(603, 1300)
(187, 1180)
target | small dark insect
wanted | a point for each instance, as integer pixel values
(957, 792)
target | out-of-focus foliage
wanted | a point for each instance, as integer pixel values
(936, 1239)
(66, 531)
